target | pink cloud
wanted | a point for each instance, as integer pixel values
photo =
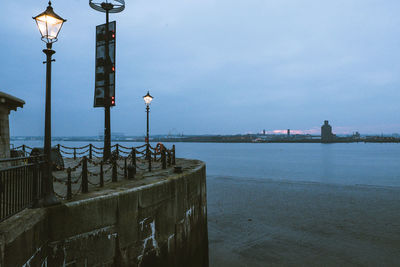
(313, 131)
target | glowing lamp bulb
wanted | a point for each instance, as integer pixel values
(148, 98)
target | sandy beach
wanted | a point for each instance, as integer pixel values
(258, 222)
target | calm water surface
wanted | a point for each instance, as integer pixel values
(299, 204)
(350, 164)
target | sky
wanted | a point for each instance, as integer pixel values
(213, 67)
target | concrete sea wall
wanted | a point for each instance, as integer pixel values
(160, 223)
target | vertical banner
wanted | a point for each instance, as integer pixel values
(104, 62)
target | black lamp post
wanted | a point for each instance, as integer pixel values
(49, 24)
(147, 100)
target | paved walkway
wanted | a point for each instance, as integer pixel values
(60, 177)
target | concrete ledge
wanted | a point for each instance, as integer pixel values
(158, 221)
(23, 238)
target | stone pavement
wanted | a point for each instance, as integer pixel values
(60, 177)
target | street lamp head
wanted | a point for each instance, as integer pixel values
(148, 98)
(49, 24)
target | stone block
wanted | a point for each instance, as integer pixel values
(24, 238)
(82, 216)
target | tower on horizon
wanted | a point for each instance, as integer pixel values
(326, 133)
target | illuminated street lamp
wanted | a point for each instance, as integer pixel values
(49, 24)
(147, 100)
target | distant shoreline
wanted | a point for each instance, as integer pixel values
(194, 140)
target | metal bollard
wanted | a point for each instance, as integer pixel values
(85, 185)
(69, 185)
(133, 156)
(90, 151)
(173, 154)
(163, 158)
(101, 174)
(114, 172)
(149, 157)
(133, 165)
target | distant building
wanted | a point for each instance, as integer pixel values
(356, 136)
(288, 132)
(264, 132)
(326, 133)
(7, 103)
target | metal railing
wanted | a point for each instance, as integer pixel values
(124, 162)
(21, 179)
(91, 151)
(20, 184)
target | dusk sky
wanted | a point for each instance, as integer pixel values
(214, 67)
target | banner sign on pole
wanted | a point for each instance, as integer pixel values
(104, 64)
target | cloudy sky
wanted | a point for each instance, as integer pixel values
(213, 66)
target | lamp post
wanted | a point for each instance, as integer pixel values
(147, 100)
(49, 24)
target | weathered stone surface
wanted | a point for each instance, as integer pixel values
(24, 238)
(161, 223)
(4, 133)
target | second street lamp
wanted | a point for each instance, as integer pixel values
(147, 100)
(49, 24)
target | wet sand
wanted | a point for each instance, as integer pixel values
(274, 223)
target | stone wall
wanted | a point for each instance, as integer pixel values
(163, 223)
(4, 133)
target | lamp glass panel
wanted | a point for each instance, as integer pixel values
(147, 99)
(42, 26)
(49, 26)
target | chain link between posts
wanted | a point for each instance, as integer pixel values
(143, 155)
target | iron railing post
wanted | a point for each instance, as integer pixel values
(131, 172)
(169, 157)
(149, 156)
(90, 151)
(114, 171)
(163, 158)
(69, 184)
(101, 174)
(133, 157)
(35, 185)
(85, 186)
(173, 154)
